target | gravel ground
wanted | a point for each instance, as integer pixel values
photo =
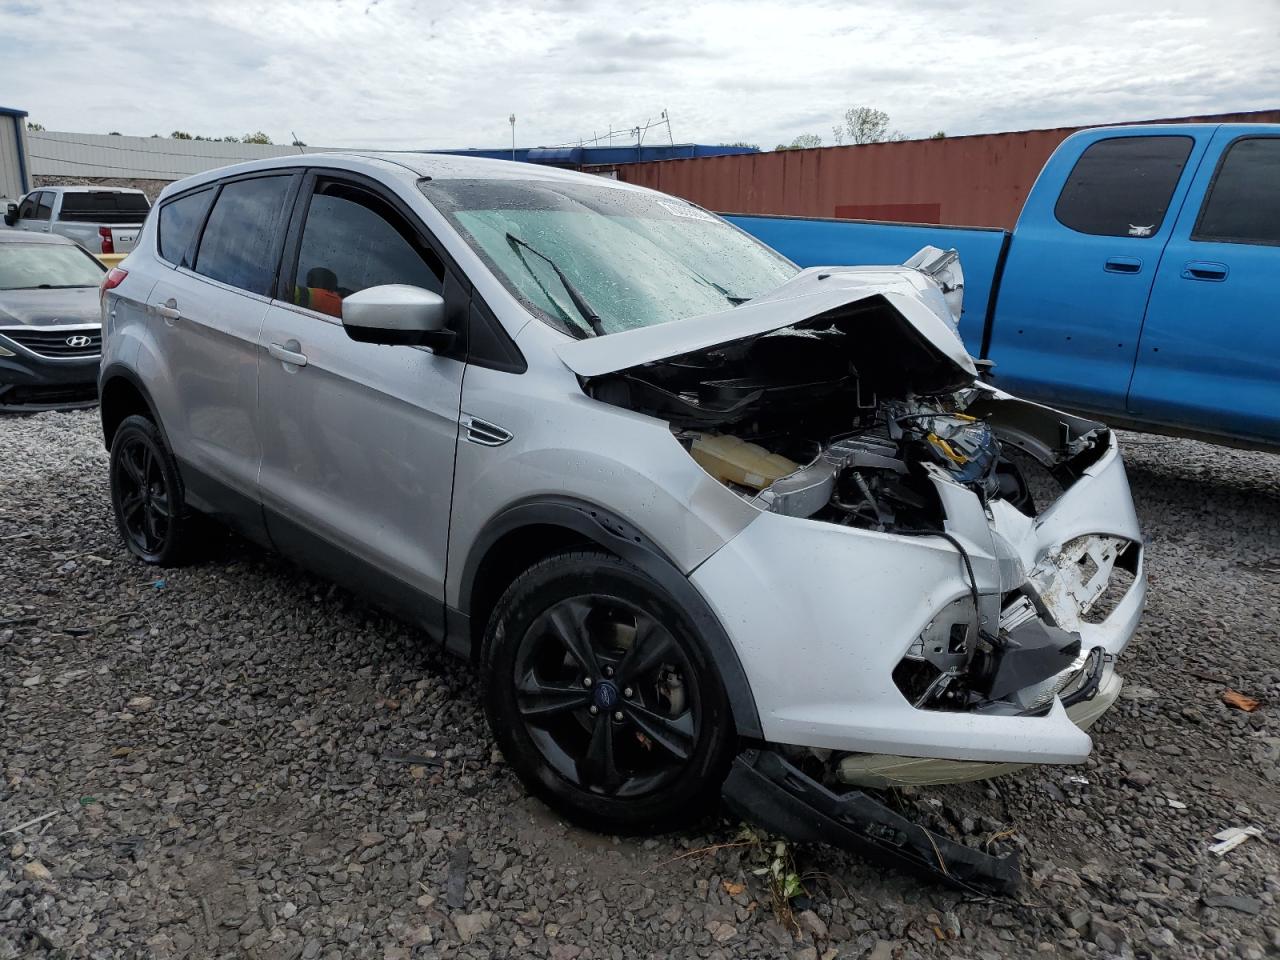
(241, 760)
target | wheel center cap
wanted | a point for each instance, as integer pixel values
(605, 695)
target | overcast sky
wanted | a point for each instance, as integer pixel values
(422, 73)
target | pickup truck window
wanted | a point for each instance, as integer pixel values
(1121, 186)
(103, 206)
(239, 238)
(44, 208)
(179, 221)
(1243, 205)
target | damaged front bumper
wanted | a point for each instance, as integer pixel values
(822, 616)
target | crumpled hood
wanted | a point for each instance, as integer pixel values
(75, 306)
(810, 293)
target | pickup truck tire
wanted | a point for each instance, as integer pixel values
(147, 495)
(603, 698)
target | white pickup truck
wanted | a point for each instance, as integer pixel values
(103, 220)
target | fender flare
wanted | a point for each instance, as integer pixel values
(608, 530)
(118, 371)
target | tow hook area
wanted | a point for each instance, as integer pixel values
(766, 789)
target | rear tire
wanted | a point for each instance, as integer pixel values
(604, 699)
(147, 495)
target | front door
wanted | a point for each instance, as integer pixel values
(1210, 353)
(1080, 268)
(358, 439)
(35, 213)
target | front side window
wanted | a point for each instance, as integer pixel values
(632, 258)
(179, 221)
(44, 209)
(1121, 187)
(238, 245)
(353, 239)
(35, 266)
(1243, 205)
(27, 210)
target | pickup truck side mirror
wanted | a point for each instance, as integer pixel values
(396, 314)
(10, 213)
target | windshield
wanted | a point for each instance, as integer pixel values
(630, 259)
(27, 266)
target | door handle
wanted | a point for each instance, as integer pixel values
(1204, 270)
(282, 353)
(169, 310)
(1123, 265)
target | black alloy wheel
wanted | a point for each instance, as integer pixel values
(609, 697)
(602, 697)
(146, 493)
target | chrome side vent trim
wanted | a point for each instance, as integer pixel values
(483, 432)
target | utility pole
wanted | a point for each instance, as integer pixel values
(512, 120)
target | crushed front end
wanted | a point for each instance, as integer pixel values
(940, 576)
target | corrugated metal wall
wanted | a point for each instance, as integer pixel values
(11, 186)
(54, 154)
(977, 180)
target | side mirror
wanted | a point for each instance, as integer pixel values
(11, 214)
(396, 314)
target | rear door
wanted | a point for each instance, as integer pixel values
(207, 313)
(359, 439)
(1081, 266)
(1210, 353)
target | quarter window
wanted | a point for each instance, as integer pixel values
(1121, 186)
(238, 245)
(179, 221)
(44, 211)
(1243, 205)
(354, 239)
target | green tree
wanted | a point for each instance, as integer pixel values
(866, 125)
(940, 135)
(806, 141)
(37, 127)
(180, 135)
(258, 137)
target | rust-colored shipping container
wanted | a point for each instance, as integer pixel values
(978, 180)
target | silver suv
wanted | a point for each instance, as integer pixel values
(703, 519)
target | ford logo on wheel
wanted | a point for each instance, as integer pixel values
(79, 340)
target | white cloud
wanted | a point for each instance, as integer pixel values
(400, 73)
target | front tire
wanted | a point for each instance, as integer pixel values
(147, 494)
(604, 699)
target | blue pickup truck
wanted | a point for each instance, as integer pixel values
(1141, 282)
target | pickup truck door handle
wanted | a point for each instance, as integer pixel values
(288, 353)
(169, 310)
(1204, 270)
(1123, 265)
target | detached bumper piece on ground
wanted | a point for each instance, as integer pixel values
(768, 790)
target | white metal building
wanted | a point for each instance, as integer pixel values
(15, 174)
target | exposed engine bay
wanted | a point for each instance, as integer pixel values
(840, 418)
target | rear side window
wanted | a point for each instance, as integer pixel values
(1121, 187)
(45, 209)
(103, 206)
(354, 239)
(238, 245)
(179, 221)
(1243, 205)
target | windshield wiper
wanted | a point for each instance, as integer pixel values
(579, 301)
(736, 301)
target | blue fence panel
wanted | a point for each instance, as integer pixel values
(826, 243)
